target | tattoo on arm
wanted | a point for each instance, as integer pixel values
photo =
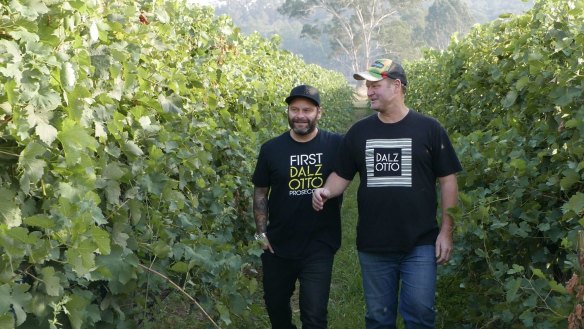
(260, 208)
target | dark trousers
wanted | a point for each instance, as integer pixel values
(280, 276)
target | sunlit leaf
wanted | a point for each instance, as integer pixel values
(172, 104)
(132, 148)
(9, 210)
(93, 32)
(68, 77)
(24, 35)
(30, 9)
(46, 132)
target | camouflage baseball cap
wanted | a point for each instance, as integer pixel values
(383, 68)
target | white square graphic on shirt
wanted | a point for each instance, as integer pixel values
(389, 162)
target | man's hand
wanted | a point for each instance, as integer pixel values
(444, 246)
(266, 244)
(319, 197)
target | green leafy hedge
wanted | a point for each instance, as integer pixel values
(128, 132)
(511, 96)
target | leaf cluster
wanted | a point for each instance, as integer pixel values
(510, 95)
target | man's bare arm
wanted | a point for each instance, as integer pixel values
(444, 242)
(260, 213)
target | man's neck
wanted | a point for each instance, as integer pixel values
(393, 114)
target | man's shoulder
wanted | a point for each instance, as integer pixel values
(329, 134)
(274, 141)
(363, 124)
(423, 117)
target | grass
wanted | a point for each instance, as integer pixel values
(346, 304)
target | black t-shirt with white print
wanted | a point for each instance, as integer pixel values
(398, 165)
(292, 170)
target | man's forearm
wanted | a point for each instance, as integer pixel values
(260, 209)
(336, 185)
(449, 199)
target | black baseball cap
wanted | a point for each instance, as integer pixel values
(304, 91)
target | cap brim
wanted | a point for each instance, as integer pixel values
(289, 99)
(366, 76)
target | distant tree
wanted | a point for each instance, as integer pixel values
(263, 17)
(354, 28)
(446, 17)
(328, 32)
(403, 39)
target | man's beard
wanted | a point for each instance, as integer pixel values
(309, 127)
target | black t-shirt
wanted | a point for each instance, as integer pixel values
(398, 165)
(292, 170)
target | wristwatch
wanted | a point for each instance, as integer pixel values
(260, 237)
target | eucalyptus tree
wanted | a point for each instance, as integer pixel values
(446, 17)
(354, 28)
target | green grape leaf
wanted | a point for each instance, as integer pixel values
(102, 239)
(510, 99)
(223, 312)
(11, 48)
(77, 308)
(121, 267)
(51, 281)
(570, 178)
(20, 33)
(180, 267)
(42, 221)
(171, 104)
(43, 100)
(81, 257)
(20, 299)
(30, 9)
(113, 192)
(75, 140)
(113, 171)
(5, 298)
(133, 149)
(46, 132)
(512, 286)
(22, 234)
(68, 78)
(575, 204)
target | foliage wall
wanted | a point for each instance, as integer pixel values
(511, 96)
(128, 133)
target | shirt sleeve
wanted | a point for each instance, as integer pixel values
(345, 164)
(261, 176)
(445, 160)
